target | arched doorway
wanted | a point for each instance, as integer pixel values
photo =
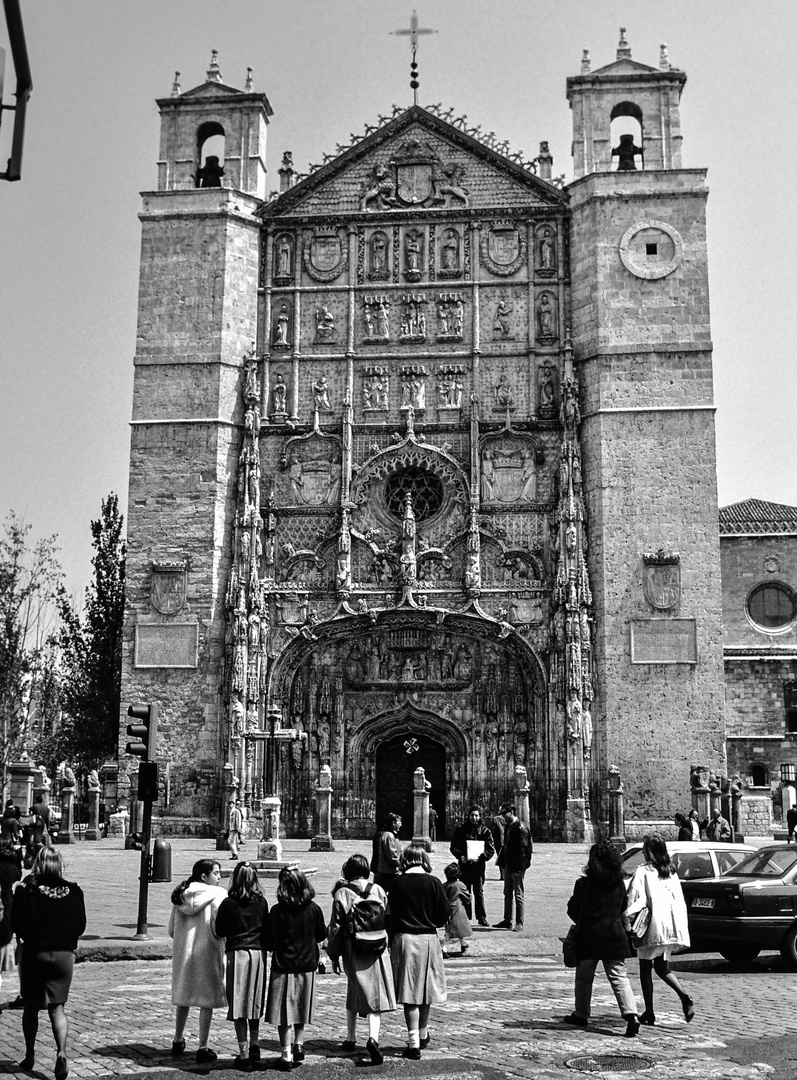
(396, 761)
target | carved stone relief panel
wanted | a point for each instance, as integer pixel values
(547, 391)
(312, 470)
(450, 386)
(503, 248)
(413, 318)
(413, 386)
(450, 316)
(325, 254)
(376, 317)
(375, 388)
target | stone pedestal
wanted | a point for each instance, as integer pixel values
(616, 809)
(322, 841)
(420, 824)
(522, 789)
(21, 779)
(270, 847)
(93, 827)
(66, 833)
(700, 803)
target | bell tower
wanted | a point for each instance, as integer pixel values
(626, 89)
(642, 346)
(196, 325)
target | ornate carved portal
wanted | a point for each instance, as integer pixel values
(470, 703)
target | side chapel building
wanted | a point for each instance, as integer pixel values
(423, 466)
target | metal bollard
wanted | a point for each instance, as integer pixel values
(161, 860)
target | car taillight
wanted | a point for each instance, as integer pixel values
(735, 902)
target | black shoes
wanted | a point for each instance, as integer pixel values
(689, 1009)
(298, 1052)
(413, 1053)
(578, 1021)
(648, 1018)
(483, 922)
(61, 1067)
(204, 1056)
(349, 1046)
(425, 1041)
(242, 1063)
(178, 1047)
(254, 1052)
(374, 1052)
(632, 1025)
(504, 924)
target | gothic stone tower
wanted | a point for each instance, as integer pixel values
(416, 524)
(642, 345)
(197, 319)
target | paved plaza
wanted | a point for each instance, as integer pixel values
(503, 1017)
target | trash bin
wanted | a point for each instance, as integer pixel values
(161, 860)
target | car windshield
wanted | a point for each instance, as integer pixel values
(767, 863)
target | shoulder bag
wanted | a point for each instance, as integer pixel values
(569, 951)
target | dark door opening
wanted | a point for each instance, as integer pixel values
(396, 761)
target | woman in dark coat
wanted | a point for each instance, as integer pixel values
(48, 916)
(417, 906)
(10, 873)
(596, 907)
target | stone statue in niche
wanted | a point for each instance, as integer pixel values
(281, 333)
(375, 316)
(450, 317)
(492, 740)
(574, 717)
(413, 388)
(547, 250)
(503, 395)
(586, 732)
(413, 254)
(413, 318)
(449, 388)
(324, 324)
(279, 395)
(379, 249)
(449, 253)
(520, 734)
(547, 391)
(284, 258)
(546, 319)
(502, 322)
(321, 401)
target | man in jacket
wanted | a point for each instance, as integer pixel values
(791, 822)
(472, 869)
(498, 828)
(718, 828)
(386, 852)
(515, 858)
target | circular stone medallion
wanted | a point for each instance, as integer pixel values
(651, 249)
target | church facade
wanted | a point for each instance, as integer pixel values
(423, 467)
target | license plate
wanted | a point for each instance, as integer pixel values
(703, 901)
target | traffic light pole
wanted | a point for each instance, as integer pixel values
(143, 881)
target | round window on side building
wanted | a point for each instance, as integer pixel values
(772, 608)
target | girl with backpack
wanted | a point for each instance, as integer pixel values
(418, 905)
(242, 921)
(295, 926)
(357, 935)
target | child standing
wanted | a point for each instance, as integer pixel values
(458, 926)
(242, 921)
(295, 926)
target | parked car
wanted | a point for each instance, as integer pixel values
(750, 908)
(693, 858)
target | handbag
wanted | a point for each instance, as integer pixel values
(569, 951)
(641, 921)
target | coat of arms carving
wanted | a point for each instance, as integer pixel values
(661, 579)
(168, 587)
(325, 255)
(414, 176)
(503, 248)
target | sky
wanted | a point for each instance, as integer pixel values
(70, 233)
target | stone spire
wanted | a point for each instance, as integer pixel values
(585, 62)
(623, 48)
(213, 72)
(249, 83)
(664, 60)
(176, 89)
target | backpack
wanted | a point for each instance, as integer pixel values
(365, 922)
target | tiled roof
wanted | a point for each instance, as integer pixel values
(757, 516)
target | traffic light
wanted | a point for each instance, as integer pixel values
(148, 781)
(144, 732)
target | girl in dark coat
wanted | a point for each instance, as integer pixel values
(241, 919)
(48, 916)
(596, 907)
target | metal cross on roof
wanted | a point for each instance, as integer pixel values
(413, 33)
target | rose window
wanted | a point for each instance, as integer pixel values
(425, 488)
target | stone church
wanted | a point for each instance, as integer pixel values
(423, 466)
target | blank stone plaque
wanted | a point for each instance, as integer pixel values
(166, 645)
(663, 641)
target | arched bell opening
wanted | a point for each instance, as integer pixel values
(626, 137)
(210, 151)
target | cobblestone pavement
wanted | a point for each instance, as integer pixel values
(503, 1017)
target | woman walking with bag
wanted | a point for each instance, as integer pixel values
(655, 887)
(417, 906)
(596, 907)
(197, 954)
(242, 922)
(295, 926)
(367, 966)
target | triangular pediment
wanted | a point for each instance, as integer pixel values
(626, 66)
(416, 161)
(213, 89)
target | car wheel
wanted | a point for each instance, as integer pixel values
(788, 948)
(738, 955)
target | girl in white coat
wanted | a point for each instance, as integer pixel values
(197, 954)
(655, 886)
